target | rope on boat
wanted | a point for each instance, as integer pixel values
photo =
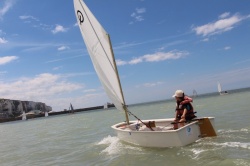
(147, 125)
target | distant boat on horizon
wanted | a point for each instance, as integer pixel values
(24, 116)
(221, 92)
(71, 108)
(108, 105)
(195, 94)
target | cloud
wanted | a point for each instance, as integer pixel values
(3, 41)
(156, 57)
(225, 23)
(59, 28)
(137, 15)
(90, 90)
(63, 59)
(52, 89)
(62, 48)
(7, 6)
(28, 17)
(41, 86)
(224, 15)
(7, 59)
(3, 72)
(76, 24)
(205, 40)
(152, 84)
(1, 32)
(136, 60)
(57, 68)
(245, 61)
(140, 10)
(227, 48)
(120, 62)
(159, 56)
(37, 24)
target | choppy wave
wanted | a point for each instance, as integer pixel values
(245, 145)
(112, 143)
(223, 131)
(115, 146)
(230, 147)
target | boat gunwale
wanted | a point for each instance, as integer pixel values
(116, 126)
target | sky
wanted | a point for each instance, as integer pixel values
(160, 46)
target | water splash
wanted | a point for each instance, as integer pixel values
(115, 146)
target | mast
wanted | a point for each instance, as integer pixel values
(118, 78)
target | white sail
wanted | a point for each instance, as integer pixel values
(24, 116)
(99, 47)
(219, 88)
(71, 107)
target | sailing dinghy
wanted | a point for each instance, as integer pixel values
(145, 133)
(220, 90)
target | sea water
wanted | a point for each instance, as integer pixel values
(86, 138)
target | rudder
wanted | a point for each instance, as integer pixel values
(206, 128)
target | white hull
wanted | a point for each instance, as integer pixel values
(223, 93)
(220, 90)
(162, 136)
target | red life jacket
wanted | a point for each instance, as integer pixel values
(185, 104)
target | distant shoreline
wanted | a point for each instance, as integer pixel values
(54, 113)
(112, 105)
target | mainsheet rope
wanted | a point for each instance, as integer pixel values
(147, 125)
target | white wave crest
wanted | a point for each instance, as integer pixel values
(108, 140)
(235, 145)
(115, 146)
(222, 131)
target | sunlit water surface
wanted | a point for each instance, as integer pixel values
(86, 138)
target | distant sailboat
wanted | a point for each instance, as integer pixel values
(71, 109)
(220, 90)
(105, 106)
(195, 94)
(108, 105)
(46, 114)
(24, 116)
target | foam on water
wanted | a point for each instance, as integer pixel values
(197, 151)
(108, 140)
(230, 144)
(233, 145)
(223, 131)
(242, 162)
(115, 146)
